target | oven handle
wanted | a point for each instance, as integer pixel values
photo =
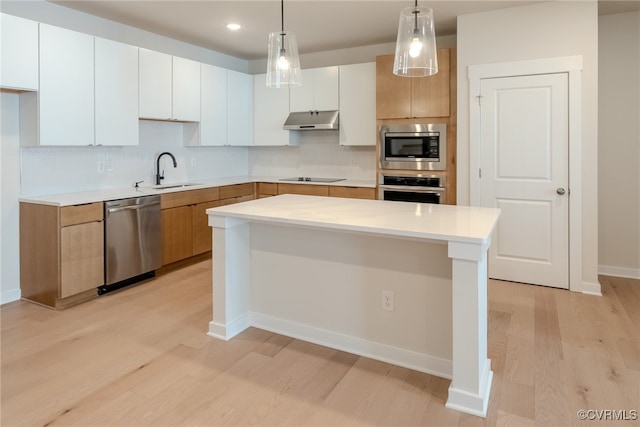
(412, 189)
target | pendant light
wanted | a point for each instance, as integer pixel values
(416, 54)
(283, 63)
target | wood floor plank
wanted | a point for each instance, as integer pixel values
(141, 357)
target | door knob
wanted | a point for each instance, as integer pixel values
(560, 191)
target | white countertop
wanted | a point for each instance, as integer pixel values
(68, 199)
(425, 221)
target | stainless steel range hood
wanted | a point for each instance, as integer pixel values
(312, 120)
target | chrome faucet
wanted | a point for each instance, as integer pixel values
(159, 176)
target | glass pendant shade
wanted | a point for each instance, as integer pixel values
(416, 54)
(283, 63)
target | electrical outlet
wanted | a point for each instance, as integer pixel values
(387, 301)
(101, 167)
(193, 162)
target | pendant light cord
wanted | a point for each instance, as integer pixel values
(282, 14)
(415, 16)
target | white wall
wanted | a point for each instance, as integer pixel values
(619, 144)
(535, 31)
(9, 192)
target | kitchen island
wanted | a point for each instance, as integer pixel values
(404, 283)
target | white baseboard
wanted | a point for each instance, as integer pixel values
(397, 356)
(10, 296)
(591, 288)
(629, 273)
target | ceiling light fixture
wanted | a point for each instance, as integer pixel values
(283, 63)
(233, 26)
(416, 54)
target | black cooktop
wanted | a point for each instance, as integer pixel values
(309, 179)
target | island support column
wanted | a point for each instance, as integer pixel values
(231, 277)
(472, 375)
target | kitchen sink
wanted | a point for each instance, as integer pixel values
(167, 186)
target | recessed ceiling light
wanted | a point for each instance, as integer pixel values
(233, 27)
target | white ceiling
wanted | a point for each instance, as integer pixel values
(319, 25)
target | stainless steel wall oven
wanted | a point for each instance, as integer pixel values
(420, 147)
(412, 188)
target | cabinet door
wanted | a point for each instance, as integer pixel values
(358, 104)
(186, 90)
(270, 110)
(393, 93)
(201, 228)
(430, 95)
(301, 98)
(326, 88)
(177, 240)
(213, 104)
(154, 85)
(81, 258)
(239, 108)
(66, 98)
(116, 92)
(19, 53)
(319, 90)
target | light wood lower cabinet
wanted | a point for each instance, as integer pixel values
(353, 192)
(185, 225)
(61, 253)
(201, 230)
(304, 189)
(177, 234)
(266, 190)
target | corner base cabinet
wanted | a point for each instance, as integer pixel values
(61, 253)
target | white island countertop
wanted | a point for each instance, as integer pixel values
(417, 220)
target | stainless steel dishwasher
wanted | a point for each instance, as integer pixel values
(133, 242)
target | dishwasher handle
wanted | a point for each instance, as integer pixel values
(130, 208)
(132, 204)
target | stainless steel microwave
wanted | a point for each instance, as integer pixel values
(413, 147)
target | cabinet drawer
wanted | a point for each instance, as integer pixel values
(304, 189)
(189, 197)
(80, 214)
(353, 192)
(237, 190)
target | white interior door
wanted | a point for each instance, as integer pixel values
(525, 172)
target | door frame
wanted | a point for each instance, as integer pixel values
(572, 65)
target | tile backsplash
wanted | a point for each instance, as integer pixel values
(52, 170)
(319, 154)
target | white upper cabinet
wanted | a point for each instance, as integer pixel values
(239, 108)
(154, 85)
(213, 105)
(319, 90)
(270, 110)
(358, 104)
(19, 55)
(186, 90)
(66, 100)
(226, 108)
(169, 87)
(116, 93)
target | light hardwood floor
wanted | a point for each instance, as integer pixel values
(141, 357)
